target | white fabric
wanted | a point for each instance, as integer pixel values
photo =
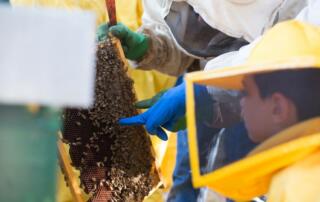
(237, 18)
(311, 13)
(246, 18)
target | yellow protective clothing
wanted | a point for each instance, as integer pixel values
(146, 83)
(282, 166)
(254, 175)
(299, 182)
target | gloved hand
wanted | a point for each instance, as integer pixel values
(145, 104)
(164, 113)
(135, 45)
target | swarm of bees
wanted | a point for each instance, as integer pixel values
(116, 163)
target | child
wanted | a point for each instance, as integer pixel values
(280, 84)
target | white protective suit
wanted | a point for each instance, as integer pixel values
(239, 19)
(310, 14)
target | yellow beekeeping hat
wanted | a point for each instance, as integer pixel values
(288, 45)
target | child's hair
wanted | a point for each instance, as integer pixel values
(301, 86)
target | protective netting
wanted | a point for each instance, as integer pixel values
(116, 163)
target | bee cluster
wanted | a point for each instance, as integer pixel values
(116, 162)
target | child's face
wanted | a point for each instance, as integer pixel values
(254, 111)
(264, 117)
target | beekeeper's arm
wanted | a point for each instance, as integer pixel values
(152, 46)
(163, 54)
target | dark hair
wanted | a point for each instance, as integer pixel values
(301, 86)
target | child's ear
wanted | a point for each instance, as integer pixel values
(283, 110)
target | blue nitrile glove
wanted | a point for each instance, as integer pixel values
(135, 45)
(168, 111)
(145, 104)
(165, 113)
